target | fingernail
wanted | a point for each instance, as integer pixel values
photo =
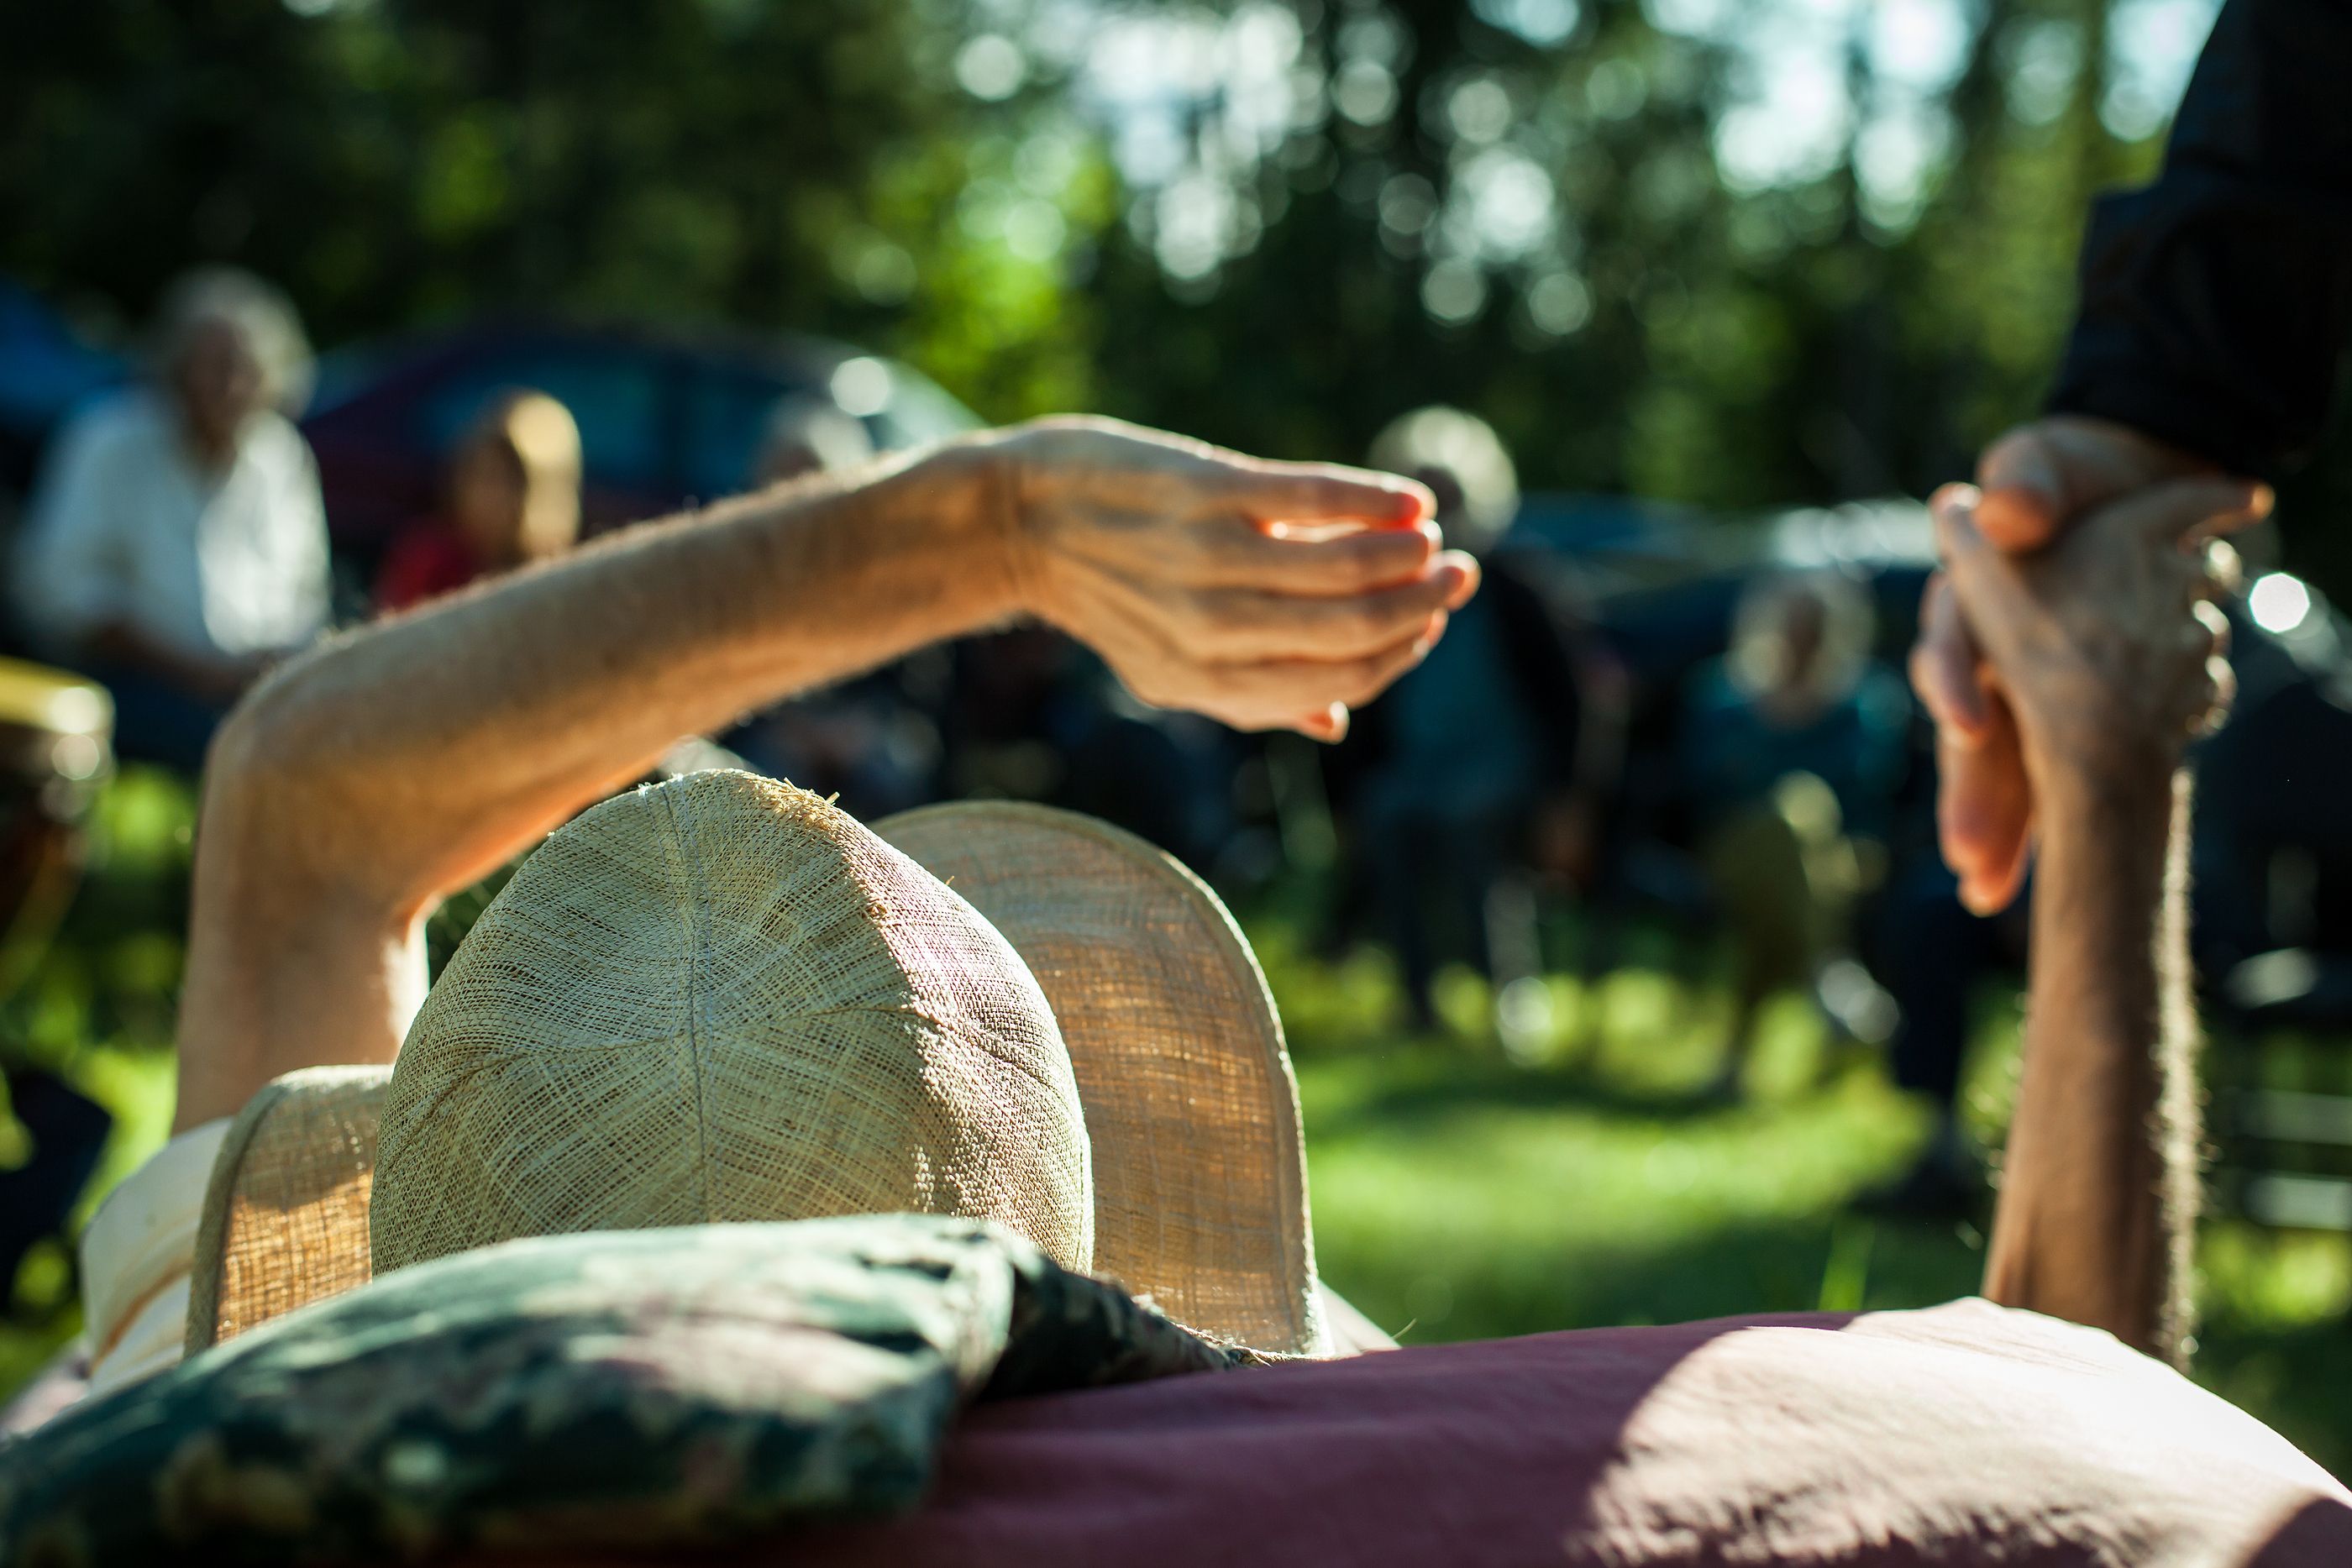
(1948, 498)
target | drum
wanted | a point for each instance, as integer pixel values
(56, 752)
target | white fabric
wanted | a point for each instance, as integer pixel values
(136, 1257)
(128, 527)
(1348, 1330)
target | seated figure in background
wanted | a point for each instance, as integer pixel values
(514, 499)
(1495, 758)
(1792, 748)
(177, 544)
(808, 434)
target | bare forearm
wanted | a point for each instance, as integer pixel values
(458, 732)
(2099, 1185)
(362, 782)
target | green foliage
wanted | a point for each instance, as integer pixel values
(772, 165)
(1538, 209)
(1806, 340)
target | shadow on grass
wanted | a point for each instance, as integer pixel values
(1429, 1085)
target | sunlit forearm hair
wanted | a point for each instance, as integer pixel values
(2180, 1120)
(2099, 1188)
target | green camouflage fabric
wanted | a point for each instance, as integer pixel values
(670, 1388)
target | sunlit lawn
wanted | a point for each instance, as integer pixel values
(1456, 1194)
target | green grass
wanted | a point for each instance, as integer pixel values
(98, 1008)
(1460, 1195)
(1457, 1195)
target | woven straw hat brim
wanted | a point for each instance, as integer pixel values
(1198, 1169)
(285, 1221)
(1199, 1163)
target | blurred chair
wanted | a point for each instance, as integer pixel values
(56, 752)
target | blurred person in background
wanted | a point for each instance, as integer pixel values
(868, 741)
(1496, 757)
(177, 544)
(514, 499)
(810, 435)
(1793, 746)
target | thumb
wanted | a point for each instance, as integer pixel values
(2026, 499)
(1963, 542)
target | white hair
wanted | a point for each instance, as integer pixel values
(258, 312)
(830, 437)
(1759, 650)
(1450, 441)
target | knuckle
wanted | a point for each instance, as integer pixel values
(1373, 616)
(1223, 620)
(1366, 560)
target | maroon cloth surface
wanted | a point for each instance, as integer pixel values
(1963, 1434)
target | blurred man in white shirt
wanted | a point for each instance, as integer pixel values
(177, 544)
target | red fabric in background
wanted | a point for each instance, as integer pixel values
(425, 560)
(1963, 1434)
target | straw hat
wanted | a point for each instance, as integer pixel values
(722, 999)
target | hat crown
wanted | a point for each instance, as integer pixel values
(722, 999)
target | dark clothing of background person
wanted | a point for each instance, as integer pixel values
(1472, 749)
(2217, 303)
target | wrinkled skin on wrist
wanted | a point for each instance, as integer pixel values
(2034, 485)
(1266, 595)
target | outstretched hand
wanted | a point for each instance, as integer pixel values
(1266, 595)
(2033, 483)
